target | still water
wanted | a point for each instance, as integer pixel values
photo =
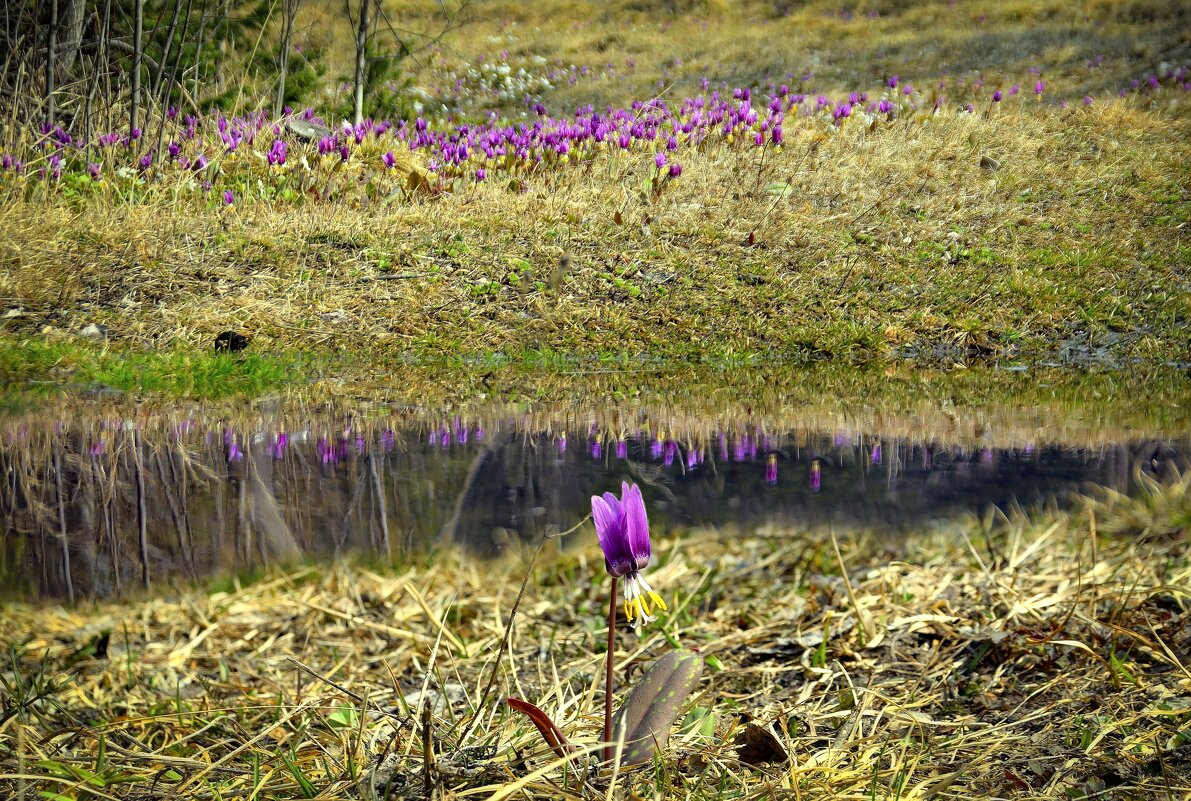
(103, 500)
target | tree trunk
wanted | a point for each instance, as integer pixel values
(51, 36)
(138, 34)
(289, 12)
(165, 50)
(361, 57)
(71, 18)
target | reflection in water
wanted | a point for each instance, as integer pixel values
(94, 508)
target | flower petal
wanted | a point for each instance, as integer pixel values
(610, 531)
(636, 525)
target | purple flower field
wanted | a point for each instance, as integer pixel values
(233, 156)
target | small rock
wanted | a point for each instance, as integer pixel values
(306, 130)
(989, 163)
(93, 331)
(231, 342)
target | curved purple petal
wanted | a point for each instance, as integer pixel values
(610, 530)
(636, 525)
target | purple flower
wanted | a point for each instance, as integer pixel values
(1087, 100)
(93, 171)
(997, 96)
(481, 174)
(228, 197)
(675, 170)
(277, 153)
(389, 159)
(622, 528)
(660, 160)
(1039, 88)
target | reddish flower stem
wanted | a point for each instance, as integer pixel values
(608, 675)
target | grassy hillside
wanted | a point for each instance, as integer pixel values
(964, 182)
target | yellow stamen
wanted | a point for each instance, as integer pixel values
(657, 599)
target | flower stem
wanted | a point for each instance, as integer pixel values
(608, 676)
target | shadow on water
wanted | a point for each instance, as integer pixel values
(106, 500)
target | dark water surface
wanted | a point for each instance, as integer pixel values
(105, 500)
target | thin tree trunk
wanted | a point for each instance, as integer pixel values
(198, 52)
(69, 34)
(361, 57)
(173, 80)
(159, 74)
(289, 12)
(50, 44)
(137, 35)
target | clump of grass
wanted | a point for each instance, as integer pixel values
(1006, 659)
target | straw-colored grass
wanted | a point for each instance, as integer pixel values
(1030, 658)
(862, 244)
(877, 243)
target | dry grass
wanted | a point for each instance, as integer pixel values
(862, 244)
(874, 243)
(1011, 658)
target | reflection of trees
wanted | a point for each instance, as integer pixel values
(88, 514)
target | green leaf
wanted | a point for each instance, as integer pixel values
(643, 723)
(699, 722)
(344, 717)
(779, 188)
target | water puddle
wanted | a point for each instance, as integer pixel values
(101, 500)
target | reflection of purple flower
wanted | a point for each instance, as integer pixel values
(671, 450)
(622, 449)
(562, 442)
(97, 448)
(876, 455)
(655, 448)
(692, 459)
(771, 470)
(816, 481)
(361, 445)
(277, 449)
(597, 449)
(388, 440)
